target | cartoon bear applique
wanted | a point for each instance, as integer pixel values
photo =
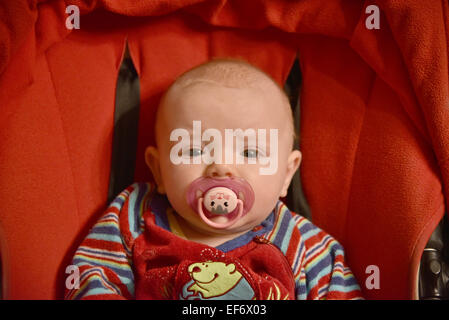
(216, 280)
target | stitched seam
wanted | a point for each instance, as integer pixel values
(445, 9)
(445, 5)
(65, 140)
(356, 154)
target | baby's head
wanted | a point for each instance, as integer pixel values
(224, 146)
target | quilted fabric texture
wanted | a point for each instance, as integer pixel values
(374, 118)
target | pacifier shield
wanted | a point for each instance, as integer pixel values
(227, 197)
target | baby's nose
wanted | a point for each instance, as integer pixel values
(219, 171)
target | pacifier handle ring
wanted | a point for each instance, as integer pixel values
(218, 225)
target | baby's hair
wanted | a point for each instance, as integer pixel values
(232, 73)
(228, 72)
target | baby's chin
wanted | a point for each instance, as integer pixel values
(244, 224)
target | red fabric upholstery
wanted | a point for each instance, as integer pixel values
(375, 118)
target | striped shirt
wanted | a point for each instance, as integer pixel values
(105, 261)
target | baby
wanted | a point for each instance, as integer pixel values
(212, 226)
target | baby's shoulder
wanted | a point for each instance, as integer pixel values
(319, 248)
(298, 237)
(129, 208)
(311, 233)
(134, 199)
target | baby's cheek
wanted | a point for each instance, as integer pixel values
(266, 191)
(183, 173)
(267, 183)
(178, 179)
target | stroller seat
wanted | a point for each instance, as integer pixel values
(372, 114)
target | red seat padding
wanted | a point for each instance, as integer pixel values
(374, 119)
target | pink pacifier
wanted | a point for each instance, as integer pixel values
(229, 197)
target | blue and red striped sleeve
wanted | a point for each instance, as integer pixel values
(316, 258)
(104, 258)
(323, 272)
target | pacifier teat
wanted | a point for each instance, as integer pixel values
(230, 198)
(220, 200)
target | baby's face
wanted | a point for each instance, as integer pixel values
(223, 108)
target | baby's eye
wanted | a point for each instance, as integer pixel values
(250, 153)
(194, 152)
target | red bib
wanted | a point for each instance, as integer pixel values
(169, 267)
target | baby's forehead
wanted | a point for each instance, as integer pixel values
(235, 76)
(237, 83)
(239, 105)
(198, 89)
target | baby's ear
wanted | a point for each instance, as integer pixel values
(153, 162)
(293, 162)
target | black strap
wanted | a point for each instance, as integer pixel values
(126, 121)
(296, 201)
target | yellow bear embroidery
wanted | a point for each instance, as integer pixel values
(213, 279)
